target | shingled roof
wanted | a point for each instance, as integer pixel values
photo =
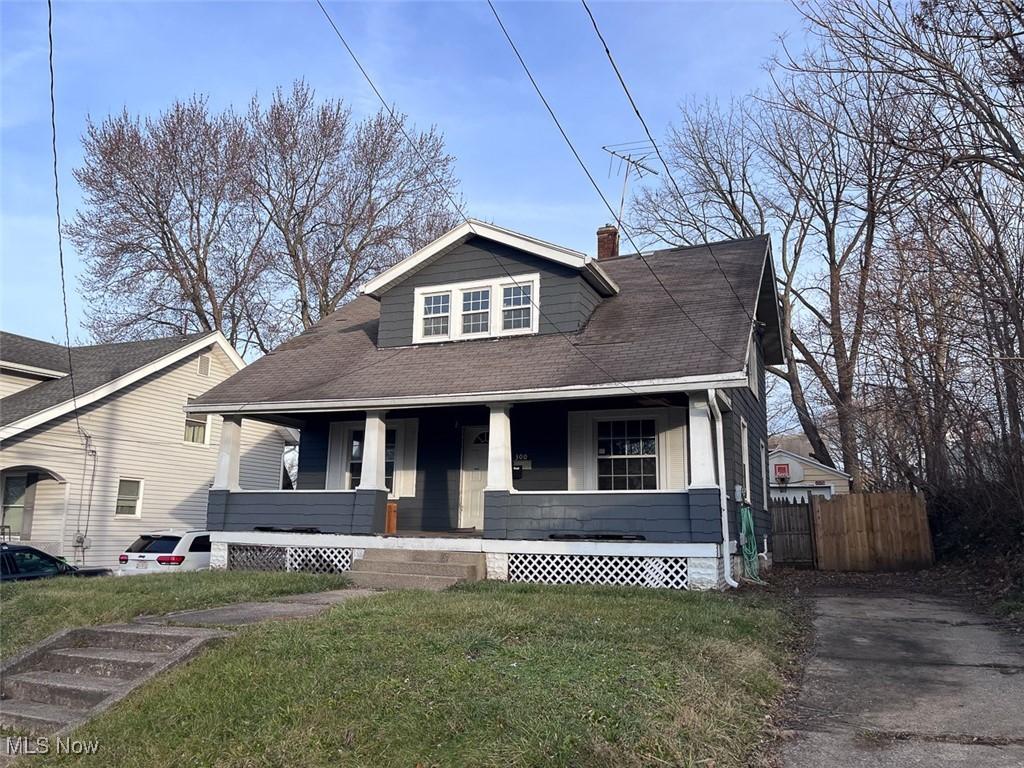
(640, 334)
(34, 353)
(94, 366)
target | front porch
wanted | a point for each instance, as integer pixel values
(603, 490)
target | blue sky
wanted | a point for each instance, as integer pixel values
(442, 63)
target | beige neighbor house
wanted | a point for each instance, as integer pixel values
(84, 485)
(797, 477)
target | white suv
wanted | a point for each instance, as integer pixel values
(166, 552)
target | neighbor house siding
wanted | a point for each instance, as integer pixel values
(566, 299)
(13, 382)
(138, 432)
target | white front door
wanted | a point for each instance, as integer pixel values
(474, 477)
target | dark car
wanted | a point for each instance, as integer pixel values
(19, 562)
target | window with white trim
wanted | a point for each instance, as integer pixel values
(13, 513)
(516, 307)
(129, 497)
(436, 315)
(745, 458)
(627, 455)
(753, 379)
(197, 427)
(503, 306)
(354, 471)
(764, 475)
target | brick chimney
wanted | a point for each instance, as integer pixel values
(607, 242)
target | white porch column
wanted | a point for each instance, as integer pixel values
(226, 477)
(374, 440)
(702, 443)
(499, 449)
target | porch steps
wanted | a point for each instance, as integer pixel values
(416, 569)
(73, 675)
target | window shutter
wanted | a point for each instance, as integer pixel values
(580, 452)
(676, 450)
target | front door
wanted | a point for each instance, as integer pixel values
(474, 477)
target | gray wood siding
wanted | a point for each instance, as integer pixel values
(745, 405)
(566, 299)
(137, 433)
(657, 517)
(359, 512)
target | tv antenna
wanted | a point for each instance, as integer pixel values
(632, 157)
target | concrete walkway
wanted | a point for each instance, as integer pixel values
(240, 614)
(907, 680)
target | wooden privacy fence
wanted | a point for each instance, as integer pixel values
(871, 532)
(792, 533)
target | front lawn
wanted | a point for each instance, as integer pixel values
(483, 675)
(31, 610)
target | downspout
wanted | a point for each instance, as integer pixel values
(723, 498)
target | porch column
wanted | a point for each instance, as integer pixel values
(226, 477)
(375, 438)
(702, 442)
(499, 449)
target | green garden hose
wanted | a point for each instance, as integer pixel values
(748, 544)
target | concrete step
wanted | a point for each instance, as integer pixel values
(60, 688)
(383, 580)
(131, 638)
(458, 570)
(34, 717)
(425, 556)
(103, 662)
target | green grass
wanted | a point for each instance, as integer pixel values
(31, 610)
(485, 675)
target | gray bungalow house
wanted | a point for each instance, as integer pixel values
(568, 419)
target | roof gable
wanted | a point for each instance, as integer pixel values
(590, 270)
(807, 461)
(101, 370)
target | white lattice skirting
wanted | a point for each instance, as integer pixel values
(250, 557)
(664, 572)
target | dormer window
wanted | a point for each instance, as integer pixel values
(504, 306)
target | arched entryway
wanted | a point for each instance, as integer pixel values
(24, 490)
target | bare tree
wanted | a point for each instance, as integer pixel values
(344, 200)
(167, 230)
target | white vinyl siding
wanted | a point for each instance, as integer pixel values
(136, 433)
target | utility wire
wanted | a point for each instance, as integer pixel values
(657, 149)
(56, 195)
(597, 188)
(454, 203)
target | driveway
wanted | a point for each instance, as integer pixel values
(907, 680)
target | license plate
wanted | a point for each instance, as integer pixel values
(141, 565)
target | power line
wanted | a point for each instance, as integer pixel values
(597, 188)
(450, 197)
(56, 195)
(657, 149)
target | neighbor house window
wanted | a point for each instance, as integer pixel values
(196, 427)
(745, 458)
(436, 311)
(355, 458)
(627, 455)
(484, 308)
(129, 497)
(13, 504)
(516, 307)
(476, 311)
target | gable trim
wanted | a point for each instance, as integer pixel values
(809, 461)
(48, 373)
(87, 398)
(471, 228)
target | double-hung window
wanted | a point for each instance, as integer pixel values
(627, 455)
(516, 307)
(129, 497)
(13, 504)
(476, 311)
(500, 306)
(436, 315)
(196, 427)
(355, 459)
